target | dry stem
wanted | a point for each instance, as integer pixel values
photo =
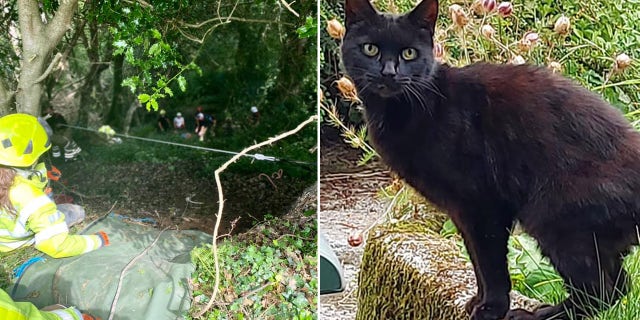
(214, 247)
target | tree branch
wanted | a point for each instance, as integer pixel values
(60, 23)
(286, 5)
(52, 65)
(30, 25)
(230, 18)
(214, 246)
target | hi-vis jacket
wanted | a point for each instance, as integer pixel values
(10, 310)
(37, 221)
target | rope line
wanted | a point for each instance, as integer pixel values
(256, 156)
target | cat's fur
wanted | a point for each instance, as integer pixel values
(496, 144)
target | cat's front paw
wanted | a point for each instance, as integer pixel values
(471, 304)
(489, 311)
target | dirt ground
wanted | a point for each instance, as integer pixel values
(348, 204)
(174, 197)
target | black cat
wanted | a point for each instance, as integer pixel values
(495, 144)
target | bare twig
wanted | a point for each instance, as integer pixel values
(53, 63)
(235, 158)
(231, 18)
(233, 226)
(117, 296)
(288, 6)
(142, 3)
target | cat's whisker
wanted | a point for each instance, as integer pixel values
(428, 85)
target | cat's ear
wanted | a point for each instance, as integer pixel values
(357, 10)
(425, 14)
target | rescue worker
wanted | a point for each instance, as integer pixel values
(27, 215)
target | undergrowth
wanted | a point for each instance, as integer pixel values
(269, 274)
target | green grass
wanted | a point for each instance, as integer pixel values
(533, 275)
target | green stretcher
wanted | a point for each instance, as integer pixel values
(155, 286)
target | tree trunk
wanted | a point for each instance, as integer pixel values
(126, 125)
(114, 114)
(38, 42)
(89, 96)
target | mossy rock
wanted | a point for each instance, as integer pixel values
(411, 272)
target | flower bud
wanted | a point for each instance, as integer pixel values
(347, 88)
(488, 31)
(355, 239)
(335, 29)
(533, 37)
(505, 9)
(458, 16)
(438, 51)
(489, 5)
(623, 61)
(562, 26)
(555, 67)
(518, 60)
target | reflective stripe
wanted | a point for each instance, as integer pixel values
(33, 206)
(54, 217)
(16, 244)
(20, 229)
(51, 231)
(91, 245)
(67, 314)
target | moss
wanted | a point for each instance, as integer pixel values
(397, 280)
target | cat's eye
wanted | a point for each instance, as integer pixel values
(370, 50)
(409, 54)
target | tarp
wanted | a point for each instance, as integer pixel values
(154, 287)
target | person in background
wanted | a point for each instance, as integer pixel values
(28, 216)
(178, 122)
(163, 122)
(204, 122)
(61, 137)
(255, 115)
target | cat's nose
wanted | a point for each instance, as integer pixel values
(389, 69)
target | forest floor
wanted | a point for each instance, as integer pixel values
(174, 196)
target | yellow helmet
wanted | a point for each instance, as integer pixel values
(22, 140)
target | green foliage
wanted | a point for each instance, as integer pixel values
(531, 273)
(309, 29)
(276, 279)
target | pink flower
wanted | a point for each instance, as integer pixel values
(489, 5)
(505, 8)
(438, 52)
